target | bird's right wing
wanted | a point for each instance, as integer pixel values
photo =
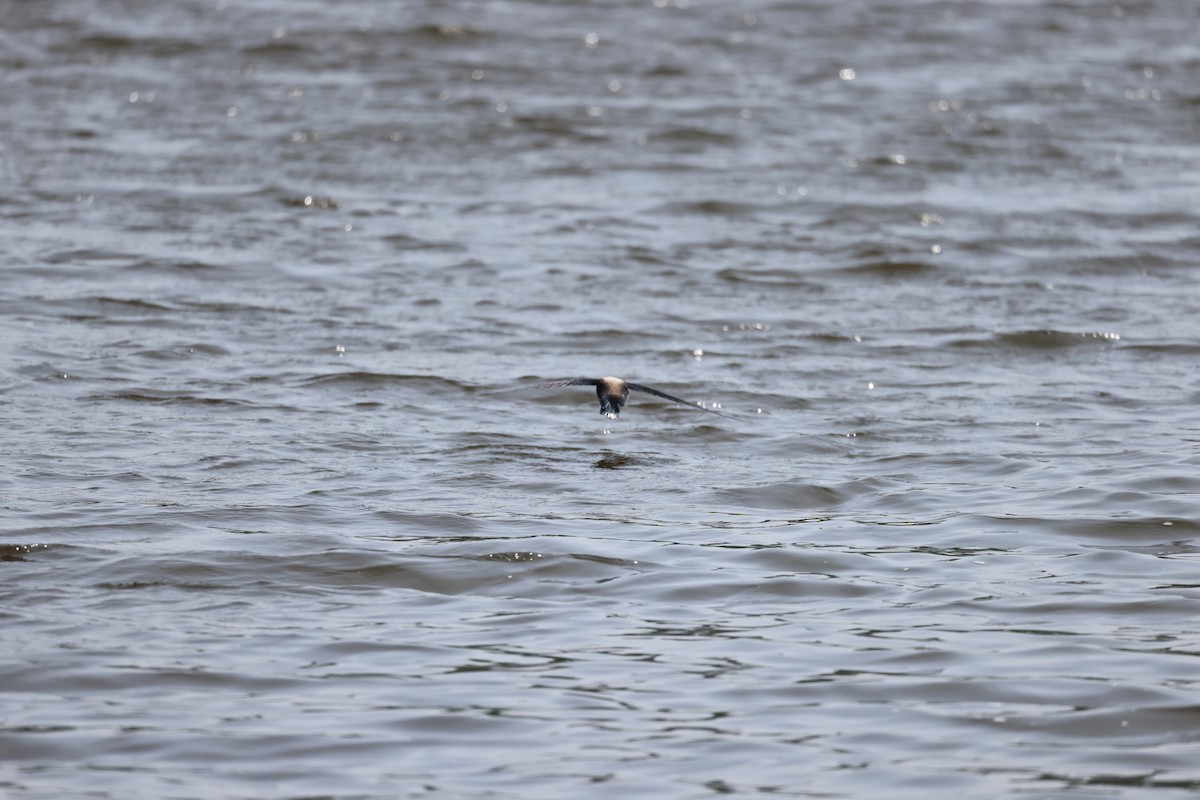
(637, 387)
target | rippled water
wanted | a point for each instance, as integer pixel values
(281, 518)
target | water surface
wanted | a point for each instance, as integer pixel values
(280, 517)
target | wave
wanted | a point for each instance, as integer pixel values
(1041, 340)
(361, 378)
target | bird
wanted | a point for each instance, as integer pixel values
(613, 392)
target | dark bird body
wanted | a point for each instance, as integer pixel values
(613, 392)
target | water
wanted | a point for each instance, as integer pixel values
(280, 517)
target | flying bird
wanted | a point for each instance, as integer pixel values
(613, 392)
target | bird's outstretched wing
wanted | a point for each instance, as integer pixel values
(637, 387)
(569, 382)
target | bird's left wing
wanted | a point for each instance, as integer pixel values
(569, 382)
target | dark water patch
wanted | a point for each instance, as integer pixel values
(1162, 549)
(405, 243)
(184, 352)
(316, 203)
(110, 44)
(1135, 530)
(776, 277)
(891, 268)
(111, 310)
(1113, 781)
(130, 586)
(788, 495)
(540, 308)
(790, 561)
(365, 379)
(517, 452)
(618, 461)
(988, 466)
(708, 208)
(667, 69)
(128, 675)
(283, 48)
(446, 33)
(22, 552)
(169, 397)
(732, 520)
(600, 337)
(1167, 481)
(576, 127)
(1040, 340)
(1138, 261)
(692, 138)
(650, 255)
(1167, 347)
(793, 590)
(536, 573)
(176, 266)
(426, 525)
(89, 256)
(428, 572)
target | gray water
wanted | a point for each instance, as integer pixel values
(280, 516)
